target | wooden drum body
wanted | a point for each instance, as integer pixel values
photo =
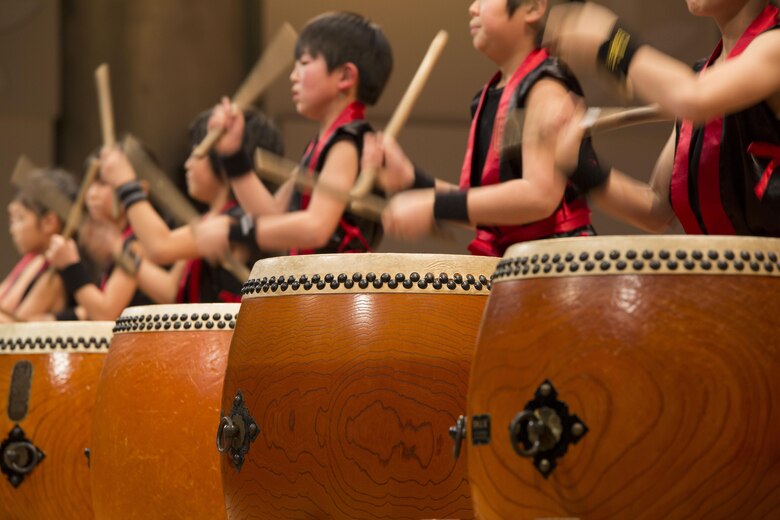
(158, 399)
(348, 371)
(48, 379)
(629, 377)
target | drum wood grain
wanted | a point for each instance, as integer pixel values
(354, 395)
(676, 377)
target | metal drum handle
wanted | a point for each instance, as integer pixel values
(540, 428)
(22, 457)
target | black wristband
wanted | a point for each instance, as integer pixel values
(74, 277)
(131, 192)
(67, 314)
(236, 165)
(591, 172)
(243, 231)
(451, 205)
(616, 53)
(422, 180)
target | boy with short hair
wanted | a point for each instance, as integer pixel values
(718, 173)
(343, 62)
(510, 193)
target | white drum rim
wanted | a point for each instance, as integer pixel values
(364, 273)
(641, 255)
(45, 337)
(180, 317)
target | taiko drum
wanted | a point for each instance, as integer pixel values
(344, 375)
(158, 399)
(629, 377)
(48, 379)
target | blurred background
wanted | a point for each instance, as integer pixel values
(171, 59)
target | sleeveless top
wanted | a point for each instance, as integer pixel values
(726, 176)
(504, 159)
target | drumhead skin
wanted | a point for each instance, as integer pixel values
(352, 368)
(48, 378)
(629, 377)
(153, 450)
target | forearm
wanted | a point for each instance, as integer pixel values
(252, 195)
(298, 229)
(159, 285)
(634, 202)
(150, 230)
(512, 203)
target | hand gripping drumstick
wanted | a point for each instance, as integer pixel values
(365, 182)
(277, 57)
(166, 194)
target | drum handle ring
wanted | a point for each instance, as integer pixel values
(12, 455)
(521, 426)
(226, 432)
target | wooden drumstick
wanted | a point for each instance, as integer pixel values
(167, 195)
(598, 120)
(365, 182)
(277, 169)
(103, 83)
(277, 57)
(77, 208)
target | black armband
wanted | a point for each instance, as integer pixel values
(422, 180)
(243, 231)
(74, 277)
(236, 165)
(590, 173)
(616, 53)
(131, 192)
(128, 261)
(451, 205)
(67, 314)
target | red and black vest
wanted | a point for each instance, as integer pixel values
(353, 234)
(504, 161)
(726, 177)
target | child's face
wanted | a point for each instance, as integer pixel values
(100, 201)
(313, 87)
(712, 7)
(493, 32)
(26, 230)
(202, 182)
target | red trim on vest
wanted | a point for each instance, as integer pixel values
(713, 213)
(493, 241)
(354, 112)
(18, 269)
(765, 151)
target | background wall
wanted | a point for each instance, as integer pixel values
(171, 59)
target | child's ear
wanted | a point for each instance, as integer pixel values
(349, 76)
(50, 223)
(536, 11)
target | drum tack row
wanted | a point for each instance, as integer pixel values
(602, 378)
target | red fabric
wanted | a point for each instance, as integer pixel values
(17, 271)
(493, 241)
(766, 151)
(713, 215)
(354, 112)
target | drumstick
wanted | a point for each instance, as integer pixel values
(277, 57)
(167, 195)
(598, 120)
(76, 209)
(103, 84)
(365, 182)
(277, 169)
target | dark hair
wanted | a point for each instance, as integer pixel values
(55, 180)
(512, 5)
(342, 38)
(259, 132)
